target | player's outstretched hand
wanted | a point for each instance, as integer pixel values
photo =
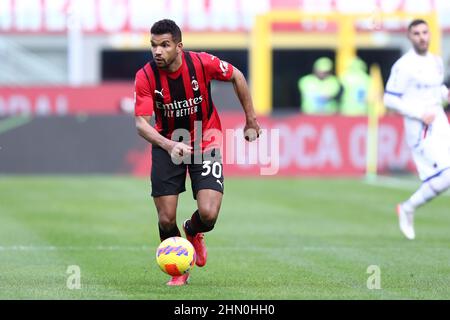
(252, 130)
(428, 118)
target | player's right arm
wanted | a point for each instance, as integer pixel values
(150, 134)
(393, 97)
(143, 109)
(146, 131)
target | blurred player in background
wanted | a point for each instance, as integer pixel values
(415, 90)
(175, 87)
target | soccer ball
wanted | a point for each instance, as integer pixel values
(175, 256)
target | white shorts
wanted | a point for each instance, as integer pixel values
(431, 156)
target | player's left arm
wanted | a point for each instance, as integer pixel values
(252, 129)
(445, 94)
(223, 71)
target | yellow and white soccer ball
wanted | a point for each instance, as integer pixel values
(175, 256)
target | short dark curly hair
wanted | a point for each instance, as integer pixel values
(167, 26)
(416, 22)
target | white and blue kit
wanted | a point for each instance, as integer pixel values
(415, 87)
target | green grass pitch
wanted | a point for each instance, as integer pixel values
(275, 239)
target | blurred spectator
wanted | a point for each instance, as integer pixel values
(320, 91)
(356, 84)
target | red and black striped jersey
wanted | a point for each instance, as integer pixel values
(180, 99)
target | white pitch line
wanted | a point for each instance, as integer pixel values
(73, 248)
(398, 183)
(393, 182)
(228, 248)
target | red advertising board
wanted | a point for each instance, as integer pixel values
(303, 146)
(294, 145)
(42, 101)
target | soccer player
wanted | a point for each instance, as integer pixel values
(175, 87)
(415, 90)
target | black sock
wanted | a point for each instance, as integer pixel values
(174, 232)
(195, 225)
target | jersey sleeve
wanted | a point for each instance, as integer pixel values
(215, 68)
(398, 80)
(143, 99)
(395, 88)
(444, 89)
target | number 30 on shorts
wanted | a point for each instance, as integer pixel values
(214, 168)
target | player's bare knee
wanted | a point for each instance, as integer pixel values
(208, 215)
(209, 220)
(167, 222)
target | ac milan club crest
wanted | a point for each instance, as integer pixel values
(194, 85)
